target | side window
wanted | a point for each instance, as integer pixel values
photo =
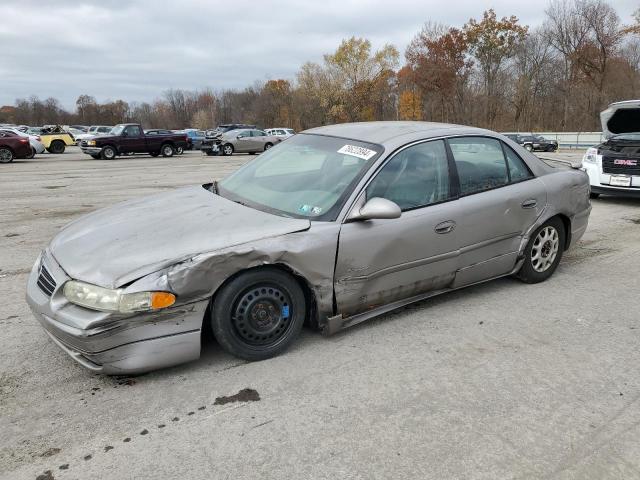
(518, 170)
(257, 133)
(416, 177)
(133, 131)
(480, 163)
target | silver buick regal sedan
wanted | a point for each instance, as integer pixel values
(330, 228)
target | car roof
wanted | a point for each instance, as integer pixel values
(394, 133)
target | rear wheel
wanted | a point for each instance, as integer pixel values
(227, 149)
(167, 150)
(528, 148)
(179, 150)
(6, 155)
(258, 314)
(108, 153)
(57, 146)
(267, 146)
(32, 154)
(543, 252)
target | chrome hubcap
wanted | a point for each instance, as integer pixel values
(545, 249)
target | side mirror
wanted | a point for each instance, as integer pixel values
(376, 208)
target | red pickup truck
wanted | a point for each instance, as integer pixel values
(129, 138)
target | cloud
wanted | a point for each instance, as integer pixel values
(135, 50)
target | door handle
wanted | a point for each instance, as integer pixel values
(529, 203)
(445, 227)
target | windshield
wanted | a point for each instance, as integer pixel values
(117, 130)
(308, 176)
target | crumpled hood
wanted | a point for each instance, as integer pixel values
(118, 244)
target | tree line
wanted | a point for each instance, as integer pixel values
(490, 72)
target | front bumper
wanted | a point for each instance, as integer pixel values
(600, 182)
(115, 344)
(91, 150)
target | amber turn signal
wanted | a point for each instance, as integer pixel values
(162, 300)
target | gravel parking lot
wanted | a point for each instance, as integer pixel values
(501, 380)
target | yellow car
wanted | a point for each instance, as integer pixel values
(55, 139)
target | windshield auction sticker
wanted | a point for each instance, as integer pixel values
(356, 151)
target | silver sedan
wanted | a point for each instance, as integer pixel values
(332, 227)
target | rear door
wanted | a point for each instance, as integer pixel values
(381, 261)
(500, 200)
(243, 140)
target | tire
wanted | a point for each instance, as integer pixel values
(543, 252)
(551, 148)
(108, 153)
(593, 195)
(97, 157)
(32, 154)
(258, 314)
(267, 146)
(528, 148)
(57, 147)
(179, 150)
(227, 150)
(6, 155)
(167, 150)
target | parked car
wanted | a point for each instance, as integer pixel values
(12, 146)
(241, 141)
(34, 140)
(614, 165)
(334, 226)
(194, 138)
(93, 131)
(280, 132)
(55, 139)
(533, 142)
(129, 138)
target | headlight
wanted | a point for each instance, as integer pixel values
(91, 142)
(591, 156)
(108, 300)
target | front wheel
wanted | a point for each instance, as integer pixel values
(529, 148)
(227, 149)
(258, 314)
(108, 153)
(543, 252)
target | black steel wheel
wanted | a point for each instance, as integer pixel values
(57, 146)
(258, 314)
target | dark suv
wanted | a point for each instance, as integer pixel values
(533, 142)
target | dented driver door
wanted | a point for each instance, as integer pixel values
(385, 260)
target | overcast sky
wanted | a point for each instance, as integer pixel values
(136, 49)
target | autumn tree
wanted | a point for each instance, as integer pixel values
(438, 59)
(492, 42)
